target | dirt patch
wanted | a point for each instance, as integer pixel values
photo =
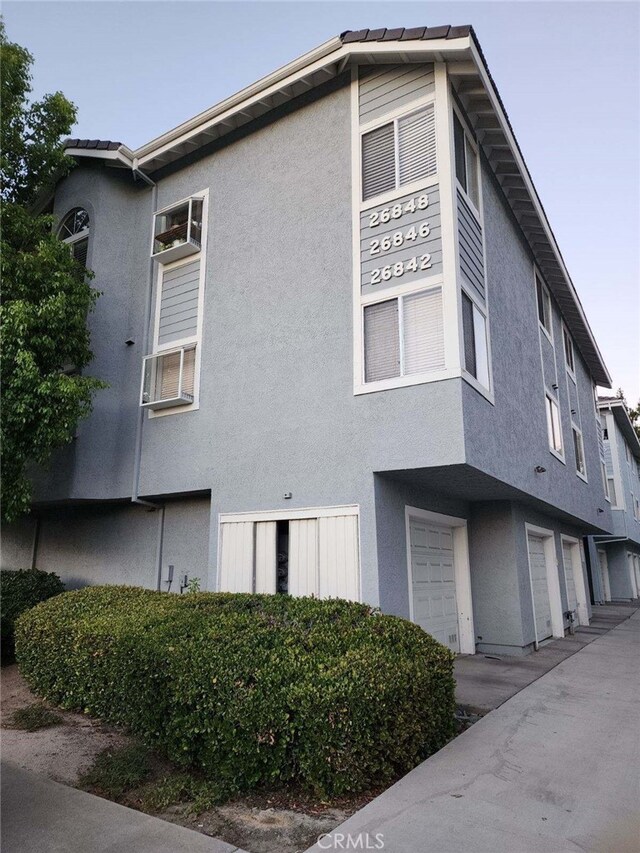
(260, 830)
(281, 821)
(62, 752)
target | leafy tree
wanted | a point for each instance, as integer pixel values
(634, 414)
(46, 294)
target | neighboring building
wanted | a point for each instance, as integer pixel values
(615, 560)
(367, 372)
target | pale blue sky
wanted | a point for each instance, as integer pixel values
(568, 73)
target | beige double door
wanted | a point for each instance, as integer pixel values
(323, 556)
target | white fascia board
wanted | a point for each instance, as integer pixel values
(122, 155)
(622, 419)
(330, 52)
(243, 98)
(524, 172)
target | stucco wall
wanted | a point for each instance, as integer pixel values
(509, 439)
(99, 462)
(116, 543)
(619, 574)
(17, 544)
(627, 484)
(391, 498)
(522, 515)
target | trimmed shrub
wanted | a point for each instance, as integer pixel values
(19, 591)
(250, 689)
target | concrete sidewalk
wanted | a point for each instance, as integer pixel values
(484, 682)
(41, 816)
(555, 769)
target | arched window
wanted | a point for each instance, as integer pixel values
(75, 231)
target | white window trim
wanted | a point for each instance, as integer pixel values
(393, 117)
(468, 138)
(574, 426)
(554, 399)
(553, 580)
(462, 571)
(400, 293)
(570, 372)
(578, 577)
(545, 291)
(444, 144)
(618, 480)
(196, 339)
(469, 377)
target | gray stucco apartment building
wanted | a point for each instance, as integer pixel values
(344, 355)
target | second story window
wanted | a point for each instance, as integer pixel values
(554, 429)
(578, 447)
(544, 305)
(399, 152)
(474, 329)
(404, 336)
(568, 351)
(170, 375)
(75, 232)
(467, 171)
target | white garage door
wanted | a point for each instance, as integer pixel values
(539, 586)
(604, 575)
(567, 558)
(433, 579)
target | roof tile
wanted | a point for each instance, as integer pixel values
(393, 35)
(413, 33)
(437, 32)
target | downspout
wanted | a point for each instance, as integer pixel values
(36, 540)
(137, 456)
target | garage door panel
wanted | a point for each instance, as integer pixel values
(540, 586)
(433, 578)
(567, 559)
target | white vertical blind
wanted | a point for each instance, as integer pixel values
(417, 146)
(236, 557)
(303, 556)
(378, 161)
(482, 352)
(339, 562)
(266, 557)
(423, 331)
(168, 374)
(381, 341)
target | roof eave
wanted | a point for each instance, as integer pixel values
(619, 411)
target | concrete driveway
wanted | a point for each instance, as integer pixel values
(554, 769)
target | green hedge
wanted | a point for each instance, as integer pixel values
(19, 591)
(251, 689)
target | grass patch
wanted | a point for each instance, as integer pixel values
(180, 787)
(34, 717)
(116, 771)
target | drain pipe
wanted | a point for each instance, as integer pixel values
(145, 346)
(36, 540)
(137, 456)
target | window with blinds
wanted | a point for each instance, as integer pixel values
(404, 336)
(400, 152)
(474, 336)
(466, 162)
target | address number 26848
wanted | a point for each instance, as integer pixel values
(396, 211)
